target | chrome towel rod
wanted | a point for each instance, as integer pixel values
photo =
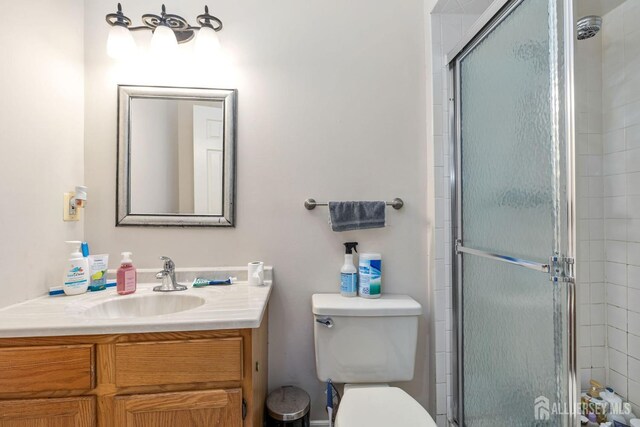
(311, 204)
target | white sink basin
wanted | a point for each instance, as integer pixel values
(144, 306)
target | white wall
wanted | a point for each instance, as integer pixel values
(41, 117)
(331, 106)
(431, 215)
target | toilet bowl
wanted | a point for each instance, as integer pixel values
(380, 406)
(366, 343)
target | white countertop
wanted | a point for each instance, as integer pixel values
(235, 306)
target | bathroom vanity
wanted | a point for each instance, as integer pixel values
(203, 366)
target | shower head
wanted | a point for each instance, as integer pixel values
(588, 26)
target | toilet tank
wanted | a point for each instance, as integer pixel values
(368, 341)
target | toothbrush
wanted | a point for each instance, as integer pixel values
(200, 282)
(57, 290)
(330, 402)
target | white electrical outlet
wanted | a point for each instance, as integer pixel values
(70, 212)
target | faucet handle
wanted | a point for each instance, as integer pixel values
(168, 263)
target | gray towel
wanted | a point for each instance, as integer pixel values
(345, 216)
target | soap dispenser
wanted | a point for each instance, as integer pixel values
(127, 276)
(76, 273)
(348, 272)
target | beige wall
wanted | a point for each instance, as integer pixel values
(41, 118)
(331, 106)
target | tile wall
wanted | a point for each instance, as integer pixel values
(621, 189)
(590, 208)
(448, 29)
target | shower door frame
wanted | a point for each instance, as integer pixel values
(497, 12)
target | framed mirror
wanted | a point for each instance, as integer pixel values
(176, 156)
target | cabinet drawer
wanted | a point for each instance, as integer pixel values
(178, 362)
(46, 368)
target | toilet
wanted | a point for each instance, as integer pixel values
(366, 343)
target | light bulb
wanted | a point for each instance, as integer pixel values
(163, 41)
(120, 43)
(207, 41)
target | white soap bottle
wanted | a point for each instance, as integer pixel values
(76, 272)
(349, 272)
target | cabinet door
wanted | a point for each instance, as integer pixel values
(208, 408)
(73, 411)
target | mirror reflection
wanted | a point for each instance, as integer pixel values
(177, 154)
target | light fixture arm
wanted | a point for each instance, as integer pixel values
(205, 20)
(180, 26)
(118, 18)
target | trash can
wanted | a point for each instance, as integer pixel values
(288, 406)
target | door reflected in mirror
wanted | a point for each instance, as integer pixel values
(176, 156)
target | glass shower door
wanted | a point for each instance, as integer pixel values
(512, 231)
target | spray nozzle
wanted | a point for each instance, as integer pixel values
(350, 246)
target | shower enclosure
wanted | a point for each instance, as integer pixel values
(512, 219)
(545, 211)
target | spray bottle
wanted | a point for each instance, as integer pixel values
(348, 272)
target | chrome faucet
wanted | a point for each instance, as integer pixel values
(168, 277)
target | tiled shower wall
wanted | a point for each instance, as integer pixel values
(621, 171)
(590, 207)
(448, 29)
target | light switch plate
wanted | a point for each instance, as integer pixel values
(70, 214)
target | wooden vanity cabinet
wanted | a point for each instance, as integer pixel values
(169, 379)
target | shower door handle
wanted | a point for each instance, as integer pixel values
(543, 268)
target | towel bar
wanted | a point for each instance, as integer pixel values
(311, 204)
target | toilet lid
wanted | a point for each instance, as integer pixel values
(381, 407)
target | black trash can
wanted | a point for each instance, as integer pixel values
(288, 406)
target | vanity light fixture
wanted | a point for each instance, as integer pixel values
(168, 31)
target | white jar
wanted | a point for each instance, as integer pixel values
(370, 271)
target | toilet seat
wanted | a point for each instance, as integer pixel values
(381, 406)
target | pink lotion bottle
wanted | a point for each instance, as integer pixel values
(127, 277)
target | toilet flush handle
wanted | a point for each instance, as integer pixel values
(326, 321)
